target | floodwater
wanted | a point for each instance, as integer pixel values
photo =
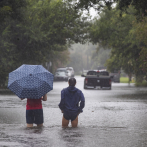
(111, 118)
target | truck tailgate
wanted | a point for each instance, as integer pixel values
(97, 81)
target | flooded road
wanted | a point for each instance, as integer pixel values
(111, 118)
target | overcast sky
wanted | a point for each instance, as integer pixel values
(93, 13)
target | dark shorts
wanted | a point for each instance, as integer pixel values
(34, 116)
(68, 115)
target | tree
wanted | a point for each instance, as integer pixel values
(139, 5)
(11, 9)
(123, 40)
(49, 25)
(45, 29)
(97, 4)
(114, 32)
(123, 5)
(139, 31)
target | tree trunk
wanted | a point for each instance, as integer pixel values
(130, 77)
(139, 78)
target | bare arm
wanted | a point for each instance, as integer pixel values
(44, 98)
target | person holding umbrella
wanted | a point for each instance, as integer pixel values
(32, 82)
(71, 104)
(34, 111)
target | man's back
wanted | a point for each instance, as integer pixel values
(72, 96)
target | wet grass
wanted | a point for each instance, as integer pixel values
(143, 84)
(125, 80)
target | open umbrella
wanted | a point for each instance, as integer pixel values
(30, 81)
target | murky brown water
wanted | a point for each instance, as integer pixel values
(111, 118)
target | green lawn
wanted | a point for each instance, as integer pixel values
(125, 80)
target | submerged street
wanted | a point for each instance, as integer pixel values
(111, 118)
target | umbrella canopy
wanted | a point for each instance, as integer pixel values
(30, 81)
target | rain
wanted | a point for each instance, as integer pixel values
(102, 44)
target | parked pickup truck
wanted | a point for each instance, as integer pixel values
(97, 78)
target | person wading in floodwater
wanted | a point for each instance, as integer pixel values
(71, 104)
(34, 111)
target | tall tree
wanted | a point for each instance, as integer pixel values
(11, 13)
(139, 32)
(11, 9)
(114, 32)
(123, 5)
(47, 26)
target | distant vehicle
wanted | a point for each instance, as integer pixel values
(84, 72)
(70, 71)
(115, 76)
(62, 70)
(61, 74)
(96, 78)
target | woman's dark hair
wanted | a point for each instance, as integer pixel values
(72, 82)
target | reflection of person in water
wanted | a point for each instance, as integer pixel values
(71, 104)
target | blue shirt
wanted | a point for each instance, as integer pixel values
(72, 99)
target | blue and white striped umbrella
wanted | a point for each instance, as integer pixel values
(30, 81)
